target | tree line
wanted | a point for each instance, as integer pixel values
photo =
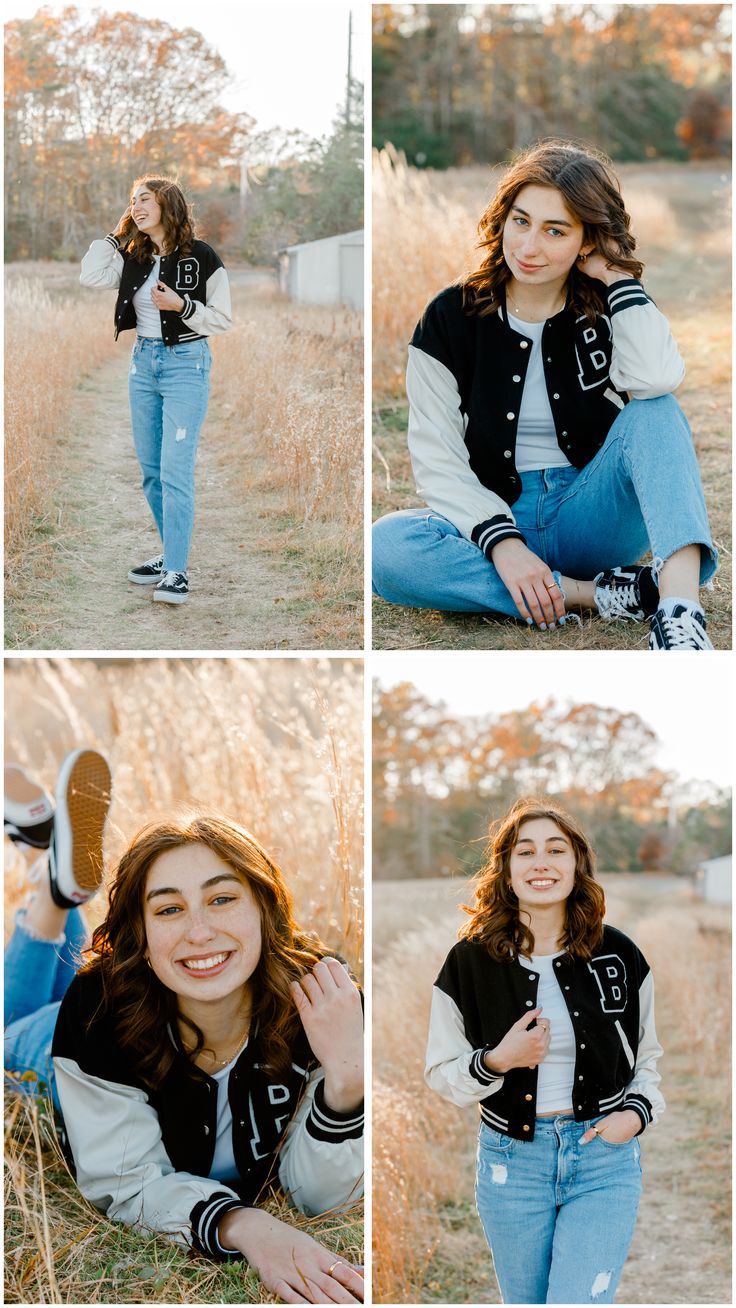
(438, 779)
(456, 84)
(93, 100)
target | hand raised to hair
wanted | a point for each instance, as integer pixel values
(603, 268)
(328, 1004)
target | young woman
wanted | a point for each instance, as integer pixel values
(173, 290)
(206, 1047)
(544, 1017)
(542, 429)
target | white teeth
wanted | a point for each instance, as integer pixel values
(204, 964)
(546, 881)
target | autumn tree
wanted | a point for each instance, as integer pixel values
(91, 100)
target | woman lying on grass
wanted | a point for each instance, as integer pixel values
(543, 431)
(206, 1047)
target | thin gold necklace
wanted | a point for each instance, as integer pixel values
(521, 313)
(223, 1062)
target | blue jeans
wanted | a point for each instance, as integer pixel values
(558, 1215)
(38, 974)
(642, 491)
(168, 388)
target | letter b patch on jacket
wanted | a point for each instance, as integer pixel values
(610, 974)
(187, 274)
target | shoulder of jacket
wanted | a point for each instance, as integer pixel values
(201, 250)
(615, 940)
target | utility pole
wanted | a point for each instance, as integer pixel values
(349, 91)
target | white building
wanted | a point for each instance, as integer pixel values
(713, 879)
(324, 272)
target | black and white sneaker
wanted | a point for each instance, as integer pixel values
(684, 628)
(173, 588)
(630, 592)
(148, 573)
(83, 793)
(29, 810)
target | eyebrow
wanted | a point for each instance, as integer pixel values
(212, 881)
(557, 222)
(527, 840)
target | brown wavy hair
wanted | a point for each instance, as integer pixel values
(176, 218)
(494, 917)
(141, 1007)
(592, 193)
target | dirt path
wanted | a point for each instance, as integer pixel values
(241, 598)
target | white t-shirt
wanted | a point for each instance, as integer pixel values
(536, 439)
(148, 317)
(556, 1074)
(224, 1167)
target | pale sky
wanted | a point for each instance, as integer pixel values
(289, 60)
(689, 707)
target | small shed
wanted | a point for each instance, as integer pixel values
(324, 272)
(713, 879)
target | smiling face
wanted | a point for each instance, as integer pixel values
(203, 926)
(145, 210)
(541, 237)
(541, 865)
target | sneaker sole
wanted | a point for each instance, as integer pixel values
(171, 599)
(145, 581)
(83, 795)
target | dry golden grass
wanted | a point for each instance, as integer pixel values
(53, 338)
(277, 744)
(61, 1250)
(289, 380)
(428, 1245)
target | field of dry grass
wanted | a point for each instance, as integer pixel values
(277, 744)
(423, 239)
(428, 1244)
(277, 548)
(49, 347)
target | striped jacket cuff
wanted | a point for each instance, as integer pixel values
(204, 1218)
(113, 241)
(626, 294)
(641, 1106)
(489, 533)
(479, 1070)
(324, 1123)
(189, 307)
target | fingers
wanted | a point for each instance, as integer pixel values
(287, 1293)
(326, 976)
(350, 1278)
(330, 1290)
(527, 1018)
(556, 596)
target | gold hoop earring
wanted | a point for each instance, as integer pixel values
(582, 257)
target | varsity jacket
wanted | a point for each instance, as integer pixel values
(199, 278)
(476, 1000)
(464, 380)
(144, 1156)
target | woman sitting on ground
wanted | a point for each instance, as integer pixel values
(543, 432)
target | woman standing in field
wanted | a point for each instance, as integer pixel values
(543, 381)
(544, 1017)
(207, 1047)
(173, 290)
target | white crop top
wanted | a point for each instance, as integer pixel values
(224, 1167)
(148, 317)
(556, 1074)
(536, 439)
